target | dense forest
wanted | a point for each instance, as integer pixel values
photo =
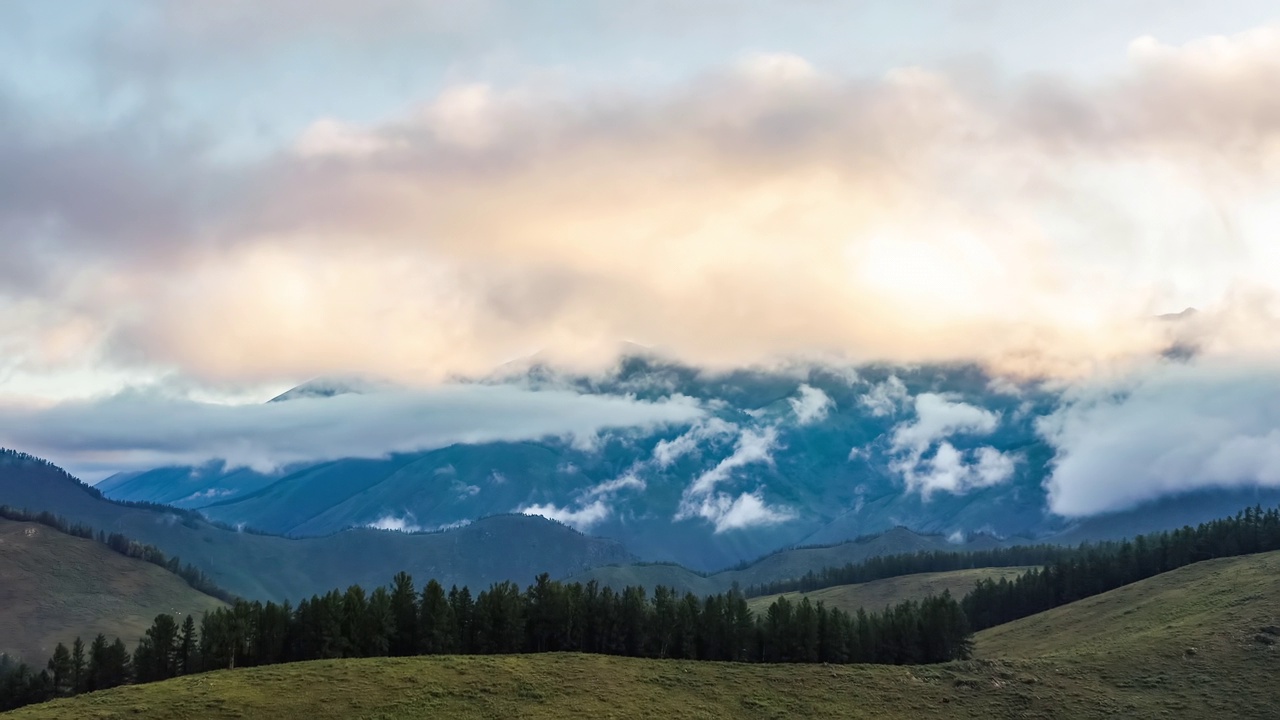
(548, 616)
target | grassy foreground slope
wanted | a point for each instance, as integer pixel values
(1122, 654)
(876, 594)
(55, 587)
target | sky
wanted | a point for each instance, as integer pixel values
(212, 201)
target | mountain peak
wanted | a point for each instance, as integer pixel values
(326, 387)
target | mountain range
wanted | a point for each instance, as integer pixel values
(807, 454)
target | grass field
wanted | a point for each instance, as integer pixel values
(54, 587)
(875, 595)
(1181, 645)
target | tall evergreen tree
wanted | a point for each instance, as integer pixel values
(188, 647)
(79, 667)
(60, 671)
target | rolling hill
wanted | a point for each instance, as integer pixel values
(1195, 642)
(875, 595)
(55, 587)
(509, 547)
(781, 565)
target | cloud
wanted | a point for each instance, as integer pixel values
(591, 508)
(398, 523)
(885, 398)
(747, 510)
(938, 417)
(139, 430)
(726, 511)
(210, 494)
(667, 452)
(955, 471)
(1162, 430)
(754, 446)
(770, 207)
(582, 519)
(629, 481)
(812, 406)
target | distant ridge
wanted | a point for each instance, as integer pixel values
(267, 567)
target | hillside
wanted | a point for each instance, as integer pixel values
(1216, 607)
(55, 587)
(509, 547)
(876, 594)
(781, 565)
(1182, 644)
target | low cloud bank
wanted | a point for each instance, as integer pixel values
(1162, 430)
(140, 430)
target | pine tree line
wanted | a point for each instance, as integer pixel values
(81, 669)
(552, 616)
(888, 566)
(1094, 569)
(548, 616)
(192, 575)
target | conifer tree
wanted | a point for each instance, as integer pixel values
(60, 671)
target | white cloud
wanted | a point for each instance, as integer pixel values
(209, 494)
(885, 398)
(582, 518)
(772, 208)
(746, 510)
(628, 481)
(667, 452)
(955, 471)
(329, 137)
(450, 526)
(399, 524)
(725, 510)
(754, 446)
(1161, 430)
(591, 508)
(812, 405)
(939, 417)
(142, 430)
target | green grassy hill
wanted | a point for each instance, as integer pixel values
(876, 594)
(54, 587)
(1181, 645)
(782, 565)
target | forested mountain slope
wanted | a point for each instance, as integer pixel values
(55, 587)
(510, 547)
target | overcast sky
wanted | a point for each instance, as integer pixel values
(225, 197)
